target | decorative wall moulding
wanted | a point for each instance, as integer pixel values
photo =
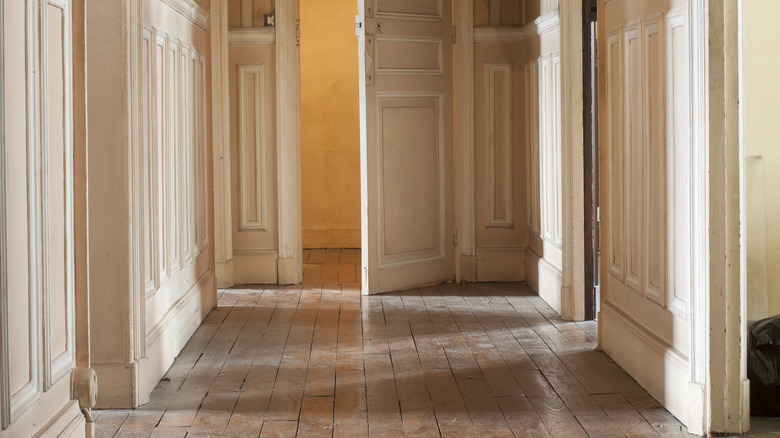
(496, 34)
(542, 25)
(252, 36)
(191, 11)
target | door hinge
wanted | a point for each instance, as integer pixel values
(358, 25)
(454, 34)
(455, 238)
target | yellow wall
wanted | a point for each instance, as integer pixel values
(761, 62)
(330, 139)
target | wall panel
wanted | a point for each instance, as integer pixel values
(56, 170)
(498, 90)
(654, 158)
(178, 178)
(252, 147)
(37, 315)
(615, 162)
(634, 169)
(678, 138)
(532, 118)
(159, 87)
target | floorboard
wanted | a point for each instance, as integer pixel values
(320, 360)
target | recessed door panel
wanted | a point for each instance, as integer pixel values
(414, 8)
(410, 144)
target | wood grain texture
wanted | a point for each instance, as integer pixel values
(490, 360)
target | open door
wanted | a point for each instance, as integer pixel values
(406, 143)
(647, 320)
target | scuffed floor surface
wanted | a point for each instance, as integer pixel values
(487, 360)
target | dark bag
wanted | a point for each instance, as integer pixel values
(764, 367)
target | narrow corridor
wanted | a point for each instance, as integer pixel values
(320, 360)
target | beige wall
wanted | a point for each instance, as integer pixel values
(330, 143)
(761, 90)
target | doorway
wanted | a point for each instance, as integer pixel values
(330, 142)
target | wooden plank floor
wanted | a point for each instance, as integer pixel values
(320, 360)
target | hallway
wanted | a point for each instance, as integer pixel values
(320, 360)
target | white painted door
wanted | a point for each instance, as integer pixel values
(408, 225)
(646, 216)
(37, 259)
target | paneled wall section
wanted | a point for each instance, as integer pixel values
(646, 198)
(37, 259)
(252, 83)
(173, 185)
(543, 152)
(647, 140)
(499, 161)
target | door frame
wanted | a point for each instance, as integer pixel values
(288, 129)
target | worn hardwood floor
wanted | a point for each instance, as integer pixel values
(320, 360)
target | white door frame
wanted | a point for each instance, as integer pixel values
(289, 262)
(463, 139)
(573, 287)
(220, 107)
(288, 132)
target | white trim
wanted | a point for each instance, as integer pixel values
(288, 124)
(136, 280)
(573, 288)
(191, 11)
(174, 310)
(502, 34)
(257, 35)
(220, 86)
(547, 23)
(14, 405)
(488, 34)
(57, 367)
(364, 235)
(463, 141)
(4, 353)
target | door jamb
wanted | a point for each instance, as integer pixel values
(288, 131)
(572, 290)
(220, 107)
(463, 139)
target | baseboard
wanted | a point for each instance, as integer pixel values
(333, 238)
(255, 267)
(224, 272)
(115, 385)
(168, 338)
(289, 271)
(468, 268)
(544, 278)
(654, 364)
(501, 264)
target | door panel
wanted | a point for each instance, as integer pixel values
(37, 315)
(645, 195)
(409, 132)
